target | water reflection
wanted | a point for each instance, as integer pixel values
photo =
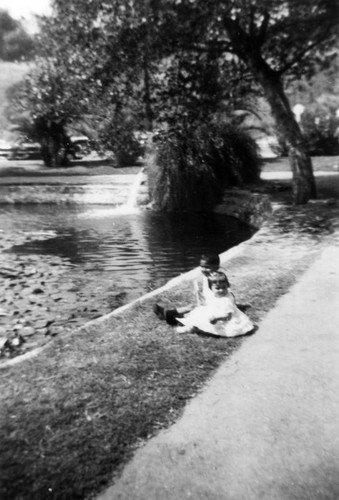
(137, 251)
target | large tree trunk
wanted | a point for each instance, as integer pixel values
(53, 152)
(303, 185)
(248, 48)
(49, 152)
(54, 145)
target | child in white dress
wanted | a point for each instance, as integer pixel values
(209, 263)
(219, 316)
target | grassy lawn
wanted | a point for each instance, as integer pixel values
(323, 163)
(72, 416)
(327, 185)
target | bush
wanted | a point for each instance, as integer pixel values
(321, 134)
(189, 168)
(236, 156)
(119, 138)
(127, 151)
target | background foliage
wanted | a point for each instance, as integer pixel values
(190, 167)
(146, 65)
(15, 43)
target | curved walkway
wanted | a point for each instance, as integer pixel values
(267, 424)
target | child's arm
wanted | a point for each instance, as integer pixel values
(215, 319)
(222, 311)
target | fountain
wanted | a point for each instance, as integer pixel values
(133, 195)
(130, 207)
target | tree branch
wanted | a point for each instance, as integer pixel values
(239, 39)
(252, 11)
(297, 58)
(263, 29)
(221, 46)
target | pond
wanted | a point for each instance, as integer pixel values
(72, 263)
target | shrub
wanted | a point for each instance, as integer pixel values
(188, 168)
(117, 136)
(320, 134)
(235, 155)
(180, 178)
(127, 151)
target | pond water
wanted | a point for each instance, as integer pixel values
(71, 264)
(139, 251)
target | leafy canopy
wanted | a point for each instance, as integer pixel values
(168, 60)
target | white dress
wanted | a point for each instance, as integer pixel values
(218, 307)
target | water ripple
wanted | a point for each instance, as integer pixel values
(136, 251)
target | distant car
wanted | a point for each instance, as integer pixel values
(25, 150)
(78, 147)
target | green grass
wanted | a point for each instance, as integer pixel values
(77, 412)
(10, 73)
(72, 416)
(324, 163)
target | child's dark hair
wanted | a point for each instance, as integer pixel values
(211, 258)
(217, 276)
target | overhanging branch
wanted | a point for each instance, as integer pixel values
(252, 14)
(218, 46)
(239, 39)
(297, 58)
(263, 29)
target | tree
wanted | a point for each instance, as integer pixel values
(15, 42)
(53, 95)
(134, 76)
(156, 52)
(71, 85)
(43, 105)
(273, 42)
(271, 38)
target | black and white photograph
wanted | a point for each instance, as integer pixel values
(169, 250)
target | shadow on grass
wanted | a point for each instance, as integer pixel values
(75, 415)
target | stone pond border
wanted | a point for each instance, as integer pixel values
(92, 194)
(251, 208)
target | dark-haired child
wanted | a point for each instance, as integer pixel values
(209, 263)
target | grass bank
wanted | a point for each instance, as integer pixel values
(73, 416)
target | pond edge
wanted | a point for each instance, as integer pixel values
(249, 207)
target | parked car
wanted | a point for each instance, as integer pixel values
(76, 148)
(25, 150)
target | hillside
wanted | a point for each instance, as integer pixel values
(10, 73)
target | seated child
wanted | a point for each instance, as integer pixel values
(209, 263)
(220, 316)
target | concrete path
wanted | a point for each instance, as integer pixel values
(267, 424)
